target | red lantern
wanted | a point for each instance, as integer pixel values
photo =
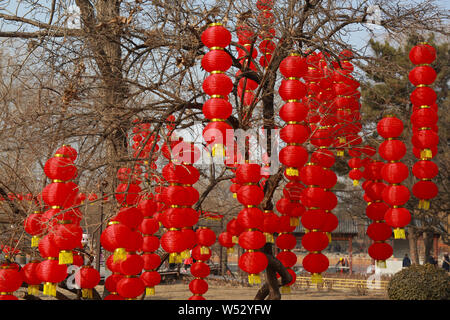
(33, 226)
(51, 273)
(67, 237)
(87, 278)
(380, 251)
(60, 168)
(253, 263)
(30, 276)
(10, 279)
(315, 263)
(130, 287)
(226, 240)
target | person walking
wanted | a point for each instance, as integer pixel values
(446, 262)
(406, 261)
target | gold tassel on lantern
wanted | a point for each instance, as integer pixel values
(86, 293)
(65, 257)
(185, 254)
(35, 241)
(120, 254)
(329, 236)
(292, 172)
(340, 153)
(381, 264)
(254, 278)
(33, 289)
(234, 239)
(150, 291)
(269, 237)
(234, 195)
(426, 153)
(178, 258)
(172, 257)
(204, 250)
(217, 148)
(399, 233)
(285, 289)
(356, 182)
(316, 278)
(230, 250)
(49, 289)
(293, 221)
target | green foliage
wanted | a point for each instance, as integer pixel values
(420, 282)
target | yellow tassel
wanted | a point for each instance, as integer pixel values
(178, 258)
(50, 289)
(216, 148)
(269, 237)
(426, 204)
(381, 264)
(65, 257)
(399, 233)
(234, 239)
(356, 182)
(172, 257)
(285, 289)
(230, 250)
(342, 140)
(254, 278)
(119, 255)
(316, 278)
(35, 241)
(204, 250)
(420, 204)
(186, 254)
(86, 293)
(150, 291)
(293, 221)
(329, 236)
(235, 195)
(292, 172)
(33, 290)
(340, 153)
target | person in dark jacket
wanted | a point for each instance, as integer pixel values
(406, 261)
(446, 262)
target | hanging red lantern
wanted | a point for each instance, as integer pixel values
(226, 240)
(60, 168)
(33, 226)
(10, 279)
(30, 276)
(66, 151)
(380, 251)
(422, 53)
(130, 287)
(87, 278)
(51, 273)
(67, 236)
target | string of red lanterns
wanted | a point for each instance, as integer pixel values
(424, 123)
(394, 172)
(250, 219)
(378, 230)
(217, 85)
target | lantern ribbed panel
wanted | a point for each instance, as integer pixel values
(424, 119)
(394, 172)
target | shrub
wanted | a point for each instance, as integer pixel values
(420, 282)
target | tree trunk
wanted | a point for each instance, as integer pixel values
(413, 251)
(428, 241)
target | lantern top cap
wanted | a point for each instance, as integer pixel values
(214, 24)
